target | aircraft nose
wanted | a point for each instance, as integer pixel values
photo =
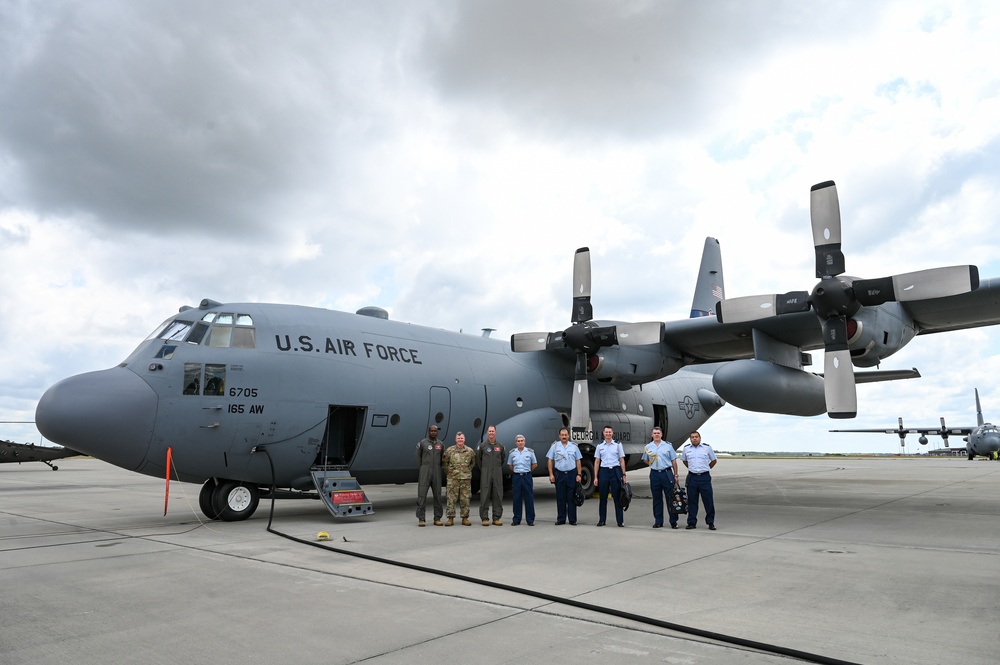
(108, 414)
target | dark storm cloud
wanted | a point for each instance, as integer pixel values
(627, 69)
(210, 116)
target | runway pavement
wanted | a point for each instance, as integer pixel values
(858, 559)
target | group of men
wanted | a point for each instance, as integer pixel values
(565, 466)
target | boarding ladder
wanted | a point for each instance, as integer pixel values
(340, 491)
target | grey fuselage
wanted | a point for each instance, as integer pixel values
(219, 383)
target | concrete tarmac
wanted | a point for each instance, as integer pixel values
(866, 560)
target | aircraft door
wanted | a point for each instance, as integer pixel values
(344, 428)
(440, 410)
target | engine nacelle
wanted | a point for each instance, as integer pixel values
(625, 366)
(877, 332)
(757, 385)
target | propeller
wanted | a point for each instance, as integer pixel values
(835, 299)
(585, 337)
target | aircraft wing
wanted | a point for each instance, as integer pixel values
(956, 431)
(704, 339)
(968, 310)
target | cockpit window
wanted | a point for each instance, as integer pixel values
(226, 318)
(244, 338)
(166, 352)
(220, 336)
(244, 320)
(159, 329)
(175, 331)
(197, 333)
(208, 318)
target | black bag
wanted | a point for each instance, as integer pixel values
(678, 503)
(578, 496)
(625, 496)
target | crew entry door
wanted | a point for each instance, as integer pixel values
(344, 428)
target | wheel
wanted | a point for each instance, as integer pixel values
(55, 468)
(205, 501)
(587, 475)
(235, 501)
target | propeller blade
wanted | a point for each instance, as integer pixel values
(753, 308)
(579, 418)
(582, 309)
(919, 285)
(637, 334)
(838, 372)
(824, 213)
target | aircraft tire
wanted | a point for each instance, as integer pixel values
(235, 501)
(206, 500)
(587, 475)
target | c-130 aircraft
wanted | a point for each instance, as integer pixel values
(310, 388)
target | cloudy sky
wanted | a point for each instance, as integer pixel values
(443, 160)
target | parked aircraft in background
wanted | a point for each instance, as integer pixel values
(983, 439)
(11, 452)
(246, 395)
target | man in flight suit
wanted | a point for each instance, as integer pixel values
(490, 456)
(429, 452)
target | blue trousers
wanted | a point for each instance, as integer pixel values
(565, 484)
(609, 480)
(700, 486)
(661, 484)
(524, 492)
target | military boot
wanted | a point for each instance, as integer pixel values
(450, 522)
(497, 522)
(486, 522)
(466, 522)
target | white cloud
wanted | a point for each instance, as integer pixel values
(444, 161)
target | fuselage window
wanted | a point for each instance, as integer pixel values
(192, 378)
(197, 333)
(176, 331)
(215, 379)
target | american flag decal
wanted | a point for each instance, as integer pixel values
(717, 292)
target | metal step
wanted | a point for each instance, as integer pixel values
(341, 493)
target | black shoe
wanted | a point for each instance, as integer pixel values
(600, 524)
(560, 523)
(657, 526)
(531, 524)
(514, 523)
(690, 526)
(673, 526)
(711, 527)
(572, 523)
(621, 524)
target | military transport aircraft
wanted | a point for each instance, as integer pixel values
(250, 396)
(11, 452)
(983, 439)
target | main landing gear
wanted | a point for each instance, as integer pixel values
(228, 500)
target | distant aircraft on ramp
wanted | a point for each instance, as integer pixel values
(983, 439)
(11, 452)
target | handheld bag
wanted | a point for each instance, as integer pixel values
(578, 496)
(625, 496)
(678, 504)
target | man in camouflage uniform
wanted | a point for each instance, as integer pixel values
(459, 460)
(491, 456)
(429, 453)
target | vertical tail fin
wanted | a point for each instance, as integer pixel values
(979, 409)
(710, 288)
